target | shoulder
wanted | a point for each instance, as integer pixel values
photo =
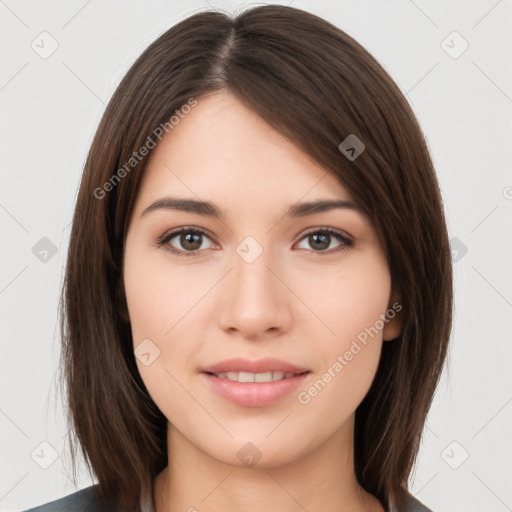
(410, 504)
(84, 500)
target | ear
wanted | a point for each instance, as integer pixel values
(394, 315)
(121, 305)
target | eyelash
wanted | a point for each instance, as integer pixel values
(164, 240)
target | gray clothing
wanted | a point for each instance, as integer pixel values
(85, 501)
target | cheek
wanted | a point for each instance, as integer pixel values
(352, 304)
(162, 300)
(348, 361)
(351, 301)
(159, 295)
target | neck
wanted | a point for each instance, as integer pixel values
(323, 479)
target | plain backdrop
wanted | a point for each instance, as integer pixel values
(452, 59)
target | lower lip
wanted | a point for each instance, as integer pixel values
(254, 394)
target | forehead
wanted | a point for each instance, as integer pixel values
(223, 151)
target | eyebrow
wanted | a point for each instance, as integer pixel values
(210, 210)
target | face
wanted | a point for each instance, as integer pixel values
(252, 282)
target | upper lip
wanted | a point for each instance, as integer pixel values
(267, 364)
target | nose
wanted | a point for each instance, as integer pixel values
(255, 301)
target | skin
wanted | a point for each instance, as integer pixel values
(292, 302)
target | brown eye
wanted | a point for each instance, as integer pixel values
(322, 239)
(190, 241)
(319, 241)
(184, 242)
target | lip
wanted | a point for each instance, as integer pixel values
(267, 364)
(254, 394)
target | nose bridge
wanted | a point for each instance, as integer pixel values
(252, 274)
(256, 299)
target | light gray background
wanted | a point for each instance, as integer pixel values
(51, 108)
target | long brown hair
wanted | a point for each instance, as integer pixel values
(316, 85)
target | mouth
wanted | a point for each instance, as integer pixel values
(270, 376)
(267, 368)
(254, 383)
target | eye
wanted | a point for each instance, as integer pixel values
(189, 241)
(321, 239)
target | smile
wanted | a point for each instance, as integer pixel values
(248, 389)
(254, 377)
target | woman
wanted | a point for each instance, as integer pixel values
(258, 293)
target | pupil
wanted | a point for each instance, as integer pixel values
(324, 243)
(189, 241)
(192, 241)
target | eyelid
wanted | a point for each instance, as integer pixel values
(333, 231)
(163, 241)
(346, 240)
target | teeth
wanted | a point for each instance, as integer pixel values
(254, 377)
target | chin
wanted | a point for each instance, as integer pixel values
(256, 452)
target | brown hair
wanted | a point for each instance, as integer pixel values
(316, 85)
